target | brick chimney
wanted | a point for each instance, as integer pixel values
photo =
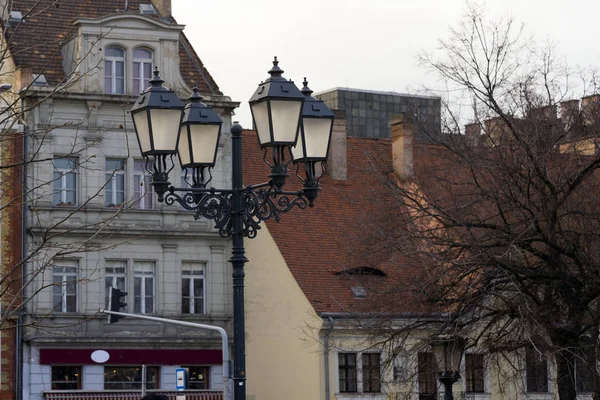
(590, 109)
(338, 156)
(402, 145)
(569, 113)
(163, 7)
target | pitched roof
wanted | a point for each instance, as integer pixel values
(325, 247)
(36, 42)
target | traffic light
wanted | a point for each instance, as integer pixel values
(115, 304)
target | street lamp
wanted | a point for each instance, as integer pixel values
(448, 352)
(165, 128)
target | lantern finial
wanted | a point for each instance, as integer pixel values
(156, 80)
(195, 97)
(305, 89)
(275, 71)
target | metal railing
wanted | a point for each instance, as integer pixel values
(129, 394)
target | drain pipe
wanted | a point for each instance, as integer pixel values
(326, 352)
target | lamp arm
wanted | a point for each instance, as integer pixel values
(260, 203)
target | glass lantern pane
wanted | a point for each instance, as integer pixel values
(260, 115)
(184, 147)
(286, 117)
(165, 127)
(141, 127)
(204, 143)
(316, 136)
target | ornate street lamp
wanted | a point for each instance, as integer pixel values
(448, 352)
(164, 128)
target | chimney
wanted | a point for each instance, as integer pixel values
(569, 113)
(473, 133)
(163, 7)
(402, 145)
(338, 157)
(590, 109)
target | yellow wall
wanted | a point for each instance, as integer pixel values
(283, 359)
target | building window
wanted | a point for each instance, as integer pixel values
(114, 70)
(64, 289)
(536, 371)
(114, 276)
(66, 378)
(127, 378)
(427, 379)
(371, 372)
(474, 372)
(143, 190)
(142, 70)
(143, 280)
(115, 178)
(347, 372)
(65, 181)
(198, 378)
(192, 288)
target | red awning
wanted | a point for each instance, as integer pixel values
(132, 357)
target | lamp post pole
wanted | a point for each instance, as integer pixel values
(237, 260)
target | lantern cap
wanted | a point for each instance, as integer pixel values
(195, 97)
(276, 87)
(314, 108)
(157, 96)
(196, 112)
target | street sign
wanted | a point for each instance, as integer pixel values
(180, 397)
(180, 379)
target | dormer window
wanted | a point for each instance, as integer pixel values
(114, 71)
(142, 70)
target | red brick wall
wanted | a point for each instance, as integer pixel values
(11, 223)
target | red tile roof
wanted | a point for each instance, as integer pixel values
(36, 42)
(320, 243)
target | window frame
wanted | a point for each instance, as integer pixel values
(193, 272)
(55, 384)
(191, 382)
(114, 276)
(474, 372)
(140, 87)
(143, 191)
(370, 383)
(534, 364)
(426, 376)
(113, 60)
(111, 176)
(350, 372)
(133, 385)
(144, 270)
(70, 269)
(61, 175)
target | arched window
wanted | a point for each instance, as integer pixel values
(114, 70)
(142, 70)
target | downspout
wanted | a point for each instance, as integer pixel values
(326, 351)
(21, 319)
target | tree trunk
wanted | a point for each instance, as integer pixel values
(565, 365)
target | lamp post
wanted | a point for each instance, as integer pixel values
(288, 132)
(447, 352)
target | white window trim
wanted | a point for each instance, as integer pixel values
(114, 276)
(360, 393)
(113, 70)
(195, 267)
(138, 273)
(64, 279)
(143, 190)
(64, 172)
(113, 183)
(141, 62)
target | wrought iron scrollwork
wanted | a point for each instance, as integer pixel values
(257, 205)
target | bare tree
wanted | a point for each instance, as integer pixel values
(33, 237)
(502, 217)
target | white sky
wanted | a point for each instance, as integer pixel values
(356, 43)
